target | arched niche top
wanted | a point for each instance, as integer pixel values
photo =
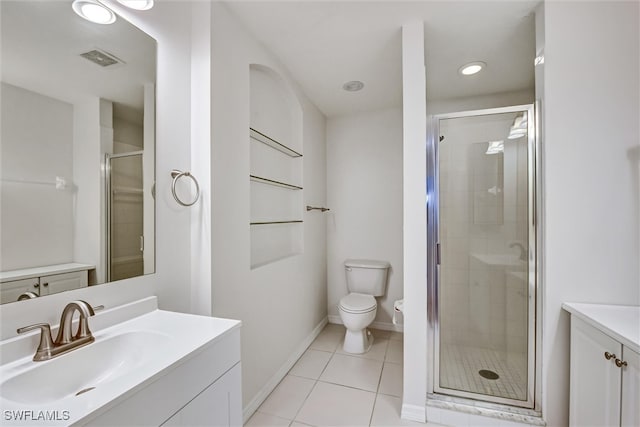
(274, 105)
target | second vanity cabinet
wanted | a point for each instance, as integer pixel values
(42, 281)
(604, 369)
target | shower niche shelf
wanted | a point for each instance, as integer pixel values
(276, 200)
(295, 221)
(276, 192)
(261, 137)
(273, 182)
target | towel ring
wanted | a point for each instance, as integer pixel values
(176, 175)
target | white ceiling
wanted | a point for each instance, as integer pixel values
(325, 44)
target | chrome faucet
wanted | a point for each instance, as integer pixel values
(523, 251)
(65, 341)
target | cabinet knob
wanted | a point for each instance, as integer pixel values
(608, 355)
(620, 363)
(45, 284)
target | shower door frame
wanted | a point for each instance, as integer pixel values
(108, 204)
(532, 405)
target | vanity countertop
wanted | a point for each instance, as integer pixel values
(27, 273)
(621, 322)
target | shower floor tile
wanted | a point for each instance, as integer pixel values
(460, 367)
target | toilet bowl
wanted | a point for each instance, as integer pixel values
(366, 279)
(357, 311)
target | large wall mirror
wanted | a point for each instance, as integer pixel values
(77, 150)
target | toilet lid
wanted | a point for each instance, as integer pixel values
(358, 303)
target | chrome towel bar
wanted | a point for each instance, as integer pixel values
(313, 208)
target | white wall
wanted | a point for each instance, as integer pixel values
(88, 158)
(37, 146)
(201, 157)
(414, 135)
(169, 23)
(280, 303)
(364, 193)
(591, 160)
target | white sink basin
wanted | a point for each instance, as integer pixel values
(84, 369)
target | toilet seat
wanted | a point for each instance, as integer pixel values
(358, 303)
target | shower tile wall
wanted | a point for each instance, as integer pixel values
(483, 210)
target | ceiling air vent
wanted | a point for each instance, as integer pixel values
(101, 58)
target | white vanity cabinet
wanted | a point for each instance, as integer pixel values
(630, 407)
(220, 404)
(604, 365)
(203, 389)
(40, 281)
(55, 283)
(12, 290)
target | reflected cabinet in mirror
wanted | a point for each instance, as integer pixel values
(77, 150)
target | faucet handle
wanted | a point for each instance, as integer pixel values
(46, 342)
(42, 326)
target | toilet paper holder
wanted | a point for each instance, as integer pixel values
(398, 307)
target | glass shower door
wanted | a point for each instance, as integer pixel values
(485, 256)
(125, 219)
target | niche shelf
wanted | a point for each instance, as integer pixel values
(268, 181)
(276, 169)
(259, 136)
(296, 221)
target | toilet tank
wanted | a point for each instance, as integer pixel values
(366, 276)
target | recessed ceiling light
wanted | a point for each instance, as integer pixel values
(472, 68)
(353, 86)
(94, 11)
(137, 4)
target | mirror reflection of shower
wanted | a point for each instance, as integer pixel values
(125, 216)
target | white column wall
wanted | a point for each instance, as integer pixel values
(414, 112)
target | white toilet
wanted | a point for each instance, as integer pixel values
(366, 279)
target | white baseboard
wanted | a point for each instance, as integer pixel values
(262, 395)
(384, 326)
(413, 413)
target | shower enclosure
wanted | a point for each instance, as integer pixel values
(483, 256)
(125, 215)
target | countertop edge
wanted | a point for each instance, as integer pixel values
(585, 312)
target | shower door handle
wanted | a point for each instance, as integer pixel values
(437, 253)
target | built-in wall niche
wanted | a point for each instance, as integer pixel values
(276, 168)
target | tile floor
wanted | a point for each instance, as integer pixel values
(328, 387)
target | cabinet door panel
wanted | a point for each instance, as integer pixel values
(11, 291)
(55, 283)
(595, 381)
(630, 388)
(219, 405)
